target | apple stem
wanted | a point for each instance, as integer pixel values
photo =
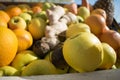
(16, 20)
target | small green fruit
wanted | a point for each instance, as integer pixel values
(9, 71)
(83, 12)
(26, 16)
(39, 67)
(23, 58)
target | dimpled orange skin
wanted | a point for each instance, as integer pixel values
(8, 46)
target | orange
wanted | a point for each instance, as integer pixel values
(3, 23)
(13, 11)
(25, 39)
(100, 12)
(8, 46)
(112, 38)
(36, 9)
(4, 16)
(96, 23)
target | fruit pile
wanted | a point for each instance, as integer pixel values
(47, 38)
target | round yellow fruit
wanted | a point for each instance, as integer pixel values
(76, 28)
(83, 52)
(37, 28)
(109, 56)
(83, 12)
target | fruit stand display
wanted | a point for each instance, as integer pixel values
(49, 41)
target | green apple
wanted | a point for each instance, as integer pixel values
(37, 27)
(83, 12)
(9, 71)
(17, 22)
(76, 28)
(23, 58)
(47, 5)
(26, 16)
(42, 14)
(39, 67)
(83, 52)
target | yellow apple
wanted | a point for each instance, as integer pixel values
(83, 12)
(17, 22)
(37, 27)
(109, 57)
(83, 52)
(76, 28)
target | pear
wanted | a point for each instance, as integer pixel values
(83, 52)
(23, 58)
(9, 71)
(39, 67)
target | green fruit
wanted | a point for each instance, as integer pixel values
(42, 14)
(47, 5)
(39, 67)
(23, 58)
(76, 28)
(83, 52)
(26, 16)
(9, 71)
(83, 12)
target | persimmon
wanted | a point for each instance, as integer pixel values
(71, 7)
(99, 12)
(111, 37)
(13, 11)
(97, 24)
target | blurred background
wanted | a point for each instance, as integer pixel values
(116, 4)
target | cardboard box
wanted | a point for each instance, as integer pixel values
(113, 74)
